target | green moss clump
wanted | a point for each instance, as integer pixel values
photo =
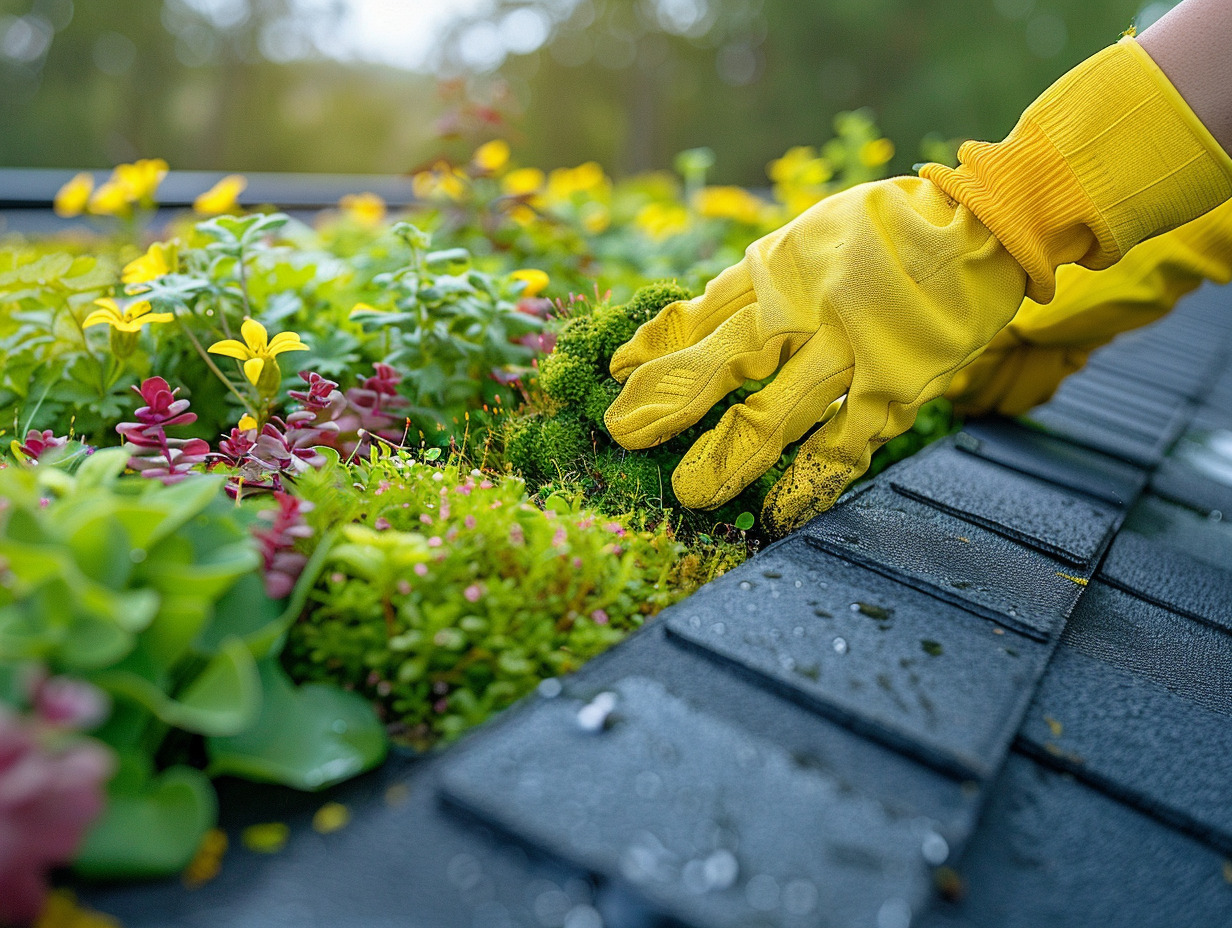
(647, 302)
(566, 378)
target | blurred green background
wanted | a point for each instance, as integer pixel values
(388, 85)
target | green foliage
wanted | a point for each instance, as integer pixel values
(451, 595)
(150, 593)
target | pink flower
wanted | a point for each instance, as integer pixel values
(435, 541)
(421, 570)
(473, 593)
(560, 537)
(469, 522)
(48, 798)
(425, 518)
(67, 703)
(517, 537)
(599, 617)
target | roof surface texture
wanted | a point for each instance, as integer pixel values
(992, 687)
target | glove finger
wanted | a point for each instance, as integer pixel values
(680, 325)
(665, 396)
(751, 436)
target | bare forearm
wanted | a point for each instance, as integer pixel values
(1192, 44)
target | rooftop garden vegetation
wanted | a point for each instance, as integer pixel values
(276, 494)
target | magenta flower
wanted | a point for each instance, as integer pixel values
(38, 443)
(154, 454)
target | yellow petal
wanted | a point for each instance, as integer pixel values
(100, 317)
(247, 422)
(367, 209)
(72, 198)
(253, 368)
(522, 181)
(154, 317)
(230, 348)
(285, 341)
(535, 279)
(491, 156)
(255, 335)
(156, 262)
(223, 197)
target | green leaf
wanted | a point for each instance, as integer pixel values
(222, 700)
(745, 521)
(149, 829)
(307, 737)
(102, 468)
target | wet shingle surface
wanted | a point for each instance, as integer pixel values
(1171, 577)
(1053, 851)
(1033, 452)
(673, 802)
(811, 739)
(1024, 508)
(901, 666)
(951, 558)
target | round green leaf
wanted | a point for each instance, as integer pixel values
(150, 830)
(306, 737)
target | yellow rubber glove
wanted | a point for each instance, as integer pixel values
(1023, 366)
(882, 292)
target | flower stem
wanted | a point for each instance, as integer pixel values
(214, 367)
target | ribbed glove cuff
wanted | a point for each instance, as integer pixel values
(1109, 155)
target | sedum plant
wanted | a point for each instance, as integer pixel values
(151, 594)
(450, 594)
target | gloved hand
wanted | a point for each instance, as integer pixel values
(882, 292)
(1023, 366)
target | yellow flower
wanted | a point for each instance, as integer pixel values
(729, 203)
(71, 199)
(160, 259)
(523, 181)
(129, 319)
(876, 152)
(247, 422)
(61, 910)
(442, 178)
(563, 183)
(109, 199)
(536, 280)
(140, 179)
(491, 156)
(257, 349)
(223, 197)
(595, 217)
(523, 215)
(662, 220)
(367, 209)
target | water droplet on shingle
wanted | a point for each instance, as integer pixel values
(936, 849)
(596, 714)
(840, 645)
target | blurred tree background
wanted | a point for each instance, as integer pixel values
(253, 85)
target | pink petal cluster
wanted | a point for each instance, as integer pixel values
(154, 454)
(52, 787)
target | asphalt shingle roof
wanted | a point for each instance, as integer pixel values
(992, 687)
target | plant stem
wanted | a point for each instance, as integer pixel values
(214, 367)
